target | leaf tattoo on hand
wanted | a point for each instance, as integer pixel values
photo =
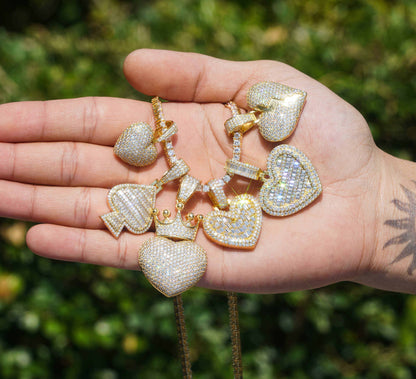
(407, 224)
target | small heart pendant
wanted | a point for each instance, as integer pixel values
(281, 107)
(239, 227)
(172, 267)
(135, 145)
(132, 207)
(293, 182)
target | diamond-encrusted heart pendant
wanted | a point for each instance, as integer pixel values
(281, 107)
(172, 267)
(135, 145)
(292, 184)
(132, 207)
(239, 227)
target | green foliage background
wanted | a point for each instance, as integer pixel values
(65, 320)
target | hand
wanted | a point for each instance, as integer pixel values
(58, 164)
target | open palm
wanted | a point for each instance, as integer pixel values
(58, 164)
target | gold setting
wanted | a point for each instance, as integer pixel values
(216, 193)
(240, 123)
(246, 170)
(171, 260)
(289, 184)
(280, 108)
(172, 267)
(292, 184)
(239, 227)
(176, 228)
(132, 207)
(135, 145)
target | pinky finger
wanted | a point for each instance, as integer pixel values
(85, 245)
(100, 248)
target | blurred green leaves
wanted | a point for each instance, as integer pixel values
(363, 50)
(77, 321)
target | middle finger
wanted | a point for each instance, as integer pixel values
(79, 207)
(69, 164)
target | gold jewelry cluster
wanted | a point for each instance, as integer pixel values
(171, 260)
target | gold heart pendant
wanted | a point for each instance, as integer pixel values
(135, 145)
(292, 184)
(132, 206)
(172, 267)
(281, 107)
(239, 227)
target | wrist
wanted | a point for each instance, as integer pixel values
(391, 263)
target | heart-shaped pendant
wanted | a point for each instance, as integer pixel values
(281, 107)
(132, 206)
(239, 227)
(172, 267)
(135, 145)
(292, 184)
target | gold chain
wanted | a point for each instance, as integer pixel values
(182, 337)
(277, 124)
(235, 334)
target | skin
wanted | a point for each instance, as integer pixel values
(58, 164)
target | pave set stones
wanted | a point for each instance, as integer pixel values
(290, 182)
(243, 169)
(280, 108)
(239, 227)
(176, 228)
(293, 182)
(172, 261)
(172, 267)
(132, 207)
(135, 145)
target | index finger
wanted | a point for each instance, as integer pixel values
(97, 120)
(179, 76)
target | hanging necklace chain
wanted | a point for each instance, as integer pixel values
(171, 260)
(178, 303)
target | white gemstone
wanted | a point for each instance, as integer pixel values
(172, 267)
(238, 227)
(226, 178)
(293, 182)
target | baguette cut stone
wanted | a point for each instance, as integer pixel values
(132, 207)
(293, 182)
(234, 167)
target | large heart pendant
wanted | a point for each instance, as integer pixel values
(292, 184)
(132, 207)
(281, 107)
(239, 227)
(135, 145)
(172, 267)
